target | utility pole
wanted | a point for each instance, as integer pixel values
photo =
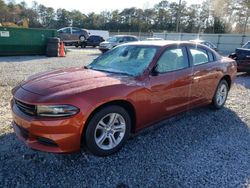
(178, 17)
(245, 24)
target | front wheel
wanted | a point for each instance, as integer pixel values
(220, 95)
(108, 130)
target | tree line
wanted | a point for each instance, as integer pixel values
(212, 16)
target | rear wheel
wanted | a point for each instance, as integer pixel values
(82, 38)
(108, 130)
(220, 95)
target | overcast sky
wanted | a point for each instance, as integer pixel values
(99, 5)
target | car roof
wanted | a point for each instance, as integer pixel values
(124, 36)
(197, 40)
(68, 27)
(64, 28)
(159, 43)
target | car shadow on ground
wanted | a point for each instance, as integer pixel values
(243, 79)
(200, 148)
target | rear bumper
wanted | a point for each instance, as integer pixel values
(56, 136)
(243, 66)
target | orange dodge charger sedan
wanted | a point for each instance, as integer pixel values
(122, 91)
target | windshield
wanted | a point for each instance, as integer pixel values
(130, 60)
(247, 45)
(113, 39)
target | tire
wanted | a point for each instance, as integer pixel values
(76, 45)
(52, 53)
(83, 45)
(53, 40)
(103, 137)
(220, 95)
(52, 49)
(53, 45)
(94, 46)
(82, 38)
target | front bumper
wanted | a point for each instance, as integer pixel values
(57, 136)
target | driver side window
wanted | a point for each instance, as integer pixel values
(172, 59)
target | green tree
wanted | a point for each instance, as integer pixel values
(63, 18)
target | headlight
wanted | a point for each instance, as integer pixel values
(56, 110)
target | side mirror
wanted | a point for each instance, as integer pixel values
(154, 72)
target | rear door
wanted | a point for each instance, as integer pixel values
(205, 73)
(76, 32)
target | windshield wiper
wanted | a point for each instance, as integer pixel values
(112, 72)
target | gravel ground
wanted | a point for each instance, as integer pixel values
(200, 148)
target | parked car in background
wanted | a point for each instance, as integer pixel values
(116, 40)
(121, 92)
(72, 35)
(207, 43)
(153, 39)
(93, 40)
(242, 57)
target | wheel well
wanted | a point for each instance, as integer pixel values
(228, 80)
(125, 104)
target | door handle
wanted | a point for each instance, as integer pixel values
(196, 79)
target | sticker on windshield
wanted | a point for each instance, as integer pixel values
(4, 33)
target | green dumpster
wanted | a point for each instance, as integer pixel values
(24, 41)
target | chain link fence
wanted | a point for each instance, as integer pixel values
(226, 43)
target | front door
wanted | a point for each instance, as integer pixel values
(171, 85)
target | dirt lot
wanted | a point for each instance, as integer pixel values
(200, 148)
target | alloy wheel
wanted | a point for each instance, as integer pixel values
(221, 94)
(110, 131)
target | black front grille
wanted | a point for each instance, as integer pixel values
(46, 141)
(26, 108)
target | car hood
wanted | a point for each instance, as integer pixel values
(72, 81)
(107, 43)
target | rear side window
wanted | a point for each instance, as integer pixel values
(172, 59)
(199, 56)
(75, 30)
